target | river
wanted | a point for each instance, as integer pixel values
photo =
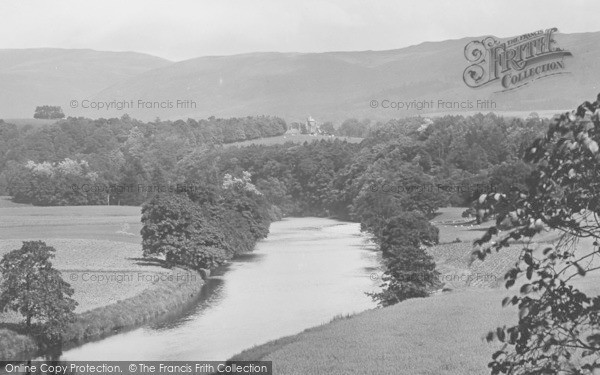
(305, 273)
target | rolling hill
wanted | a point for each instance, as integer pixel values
(329, 86)
(32, 77)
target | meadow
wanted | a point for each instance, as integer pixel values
(98, 251)
(91, 244)
(440, 335)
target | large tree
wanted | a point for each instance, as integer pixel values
(31, 286)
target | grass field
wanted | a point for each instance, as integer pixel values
(98, 248)
(440, 335)
(295, 138)
(109, 223)
(98, 251)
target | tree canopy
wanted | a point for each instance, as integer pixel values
(48, 112)
(32, 287)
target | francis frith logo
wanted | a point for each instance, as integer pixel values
(516, 62)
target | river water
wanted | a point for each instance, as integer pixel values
(305, 273)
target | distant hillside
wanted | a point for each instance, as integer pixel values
(329, 86)
(32, 77)
(338, 85)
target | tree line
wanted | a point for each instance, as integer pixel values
(122, 152)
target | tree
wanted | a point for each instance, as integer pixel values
(32, 287)
(176, 227)
(558, 323)
(408, 229)
(391, 186)
(57, 184)
(509, 175)
(48, 112)
(354, 128)
(327, 128)
(410, 272)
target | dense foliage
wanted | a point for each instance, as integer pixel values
(36, 290)
(128, 155)
(559, 323)
(203, 233)
(67, 182)
(409, 271)
(48, 112)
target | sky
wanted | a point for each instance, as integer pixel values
(184, 29)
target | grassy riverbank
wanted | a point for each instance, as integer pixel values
(401, 339)
(98, 252)
(175, 292)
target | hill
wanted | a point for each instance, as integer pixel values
(32, 77)
(330, 86)
(338, 85)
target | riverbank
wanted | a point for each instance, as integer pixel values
(396, 340)
(179, 289)
(98, 252)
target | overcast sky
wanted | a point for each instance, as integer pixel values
(179, 30)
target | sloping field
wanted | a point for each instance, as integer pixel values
(440, 335)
